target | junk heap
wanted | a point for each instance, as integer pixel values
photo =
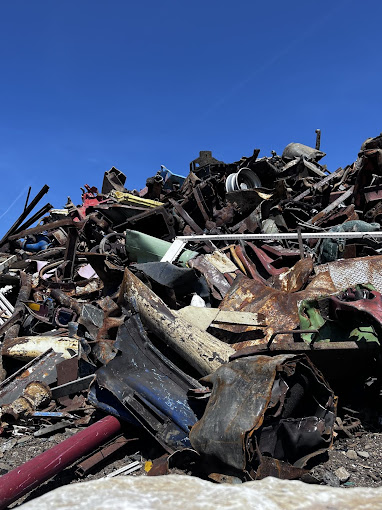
(222, 313)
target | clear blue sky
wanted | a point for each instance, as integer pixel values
(89, 84)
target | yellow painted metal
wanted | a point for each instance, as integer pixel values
(129, 199)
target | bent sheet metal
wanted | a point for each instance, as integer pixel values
(279, 407)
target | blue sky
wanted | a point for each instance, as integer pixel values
(89, 84)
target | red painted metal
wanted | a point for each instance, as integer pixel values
(33, 473)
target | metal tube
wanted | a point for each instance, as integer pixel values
(33, 473)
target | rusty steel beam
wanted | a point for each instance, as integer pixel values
(84, 467)
(33, 473)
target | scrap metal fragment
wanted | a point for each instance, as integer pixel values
(141, 385)
(201, 350)
(277, 406)
(28, 347)
(84, 467)
(203, 318)
(279, 308)
(41, 368)
(35, 395)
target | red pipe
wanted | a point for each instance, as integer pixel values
(33, 473)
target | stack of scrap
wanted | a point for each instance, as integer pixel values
(222, 312)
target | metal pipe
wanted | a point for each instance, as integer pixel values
(33, 473)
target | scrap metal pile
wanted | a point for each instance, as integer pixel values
(222, 312)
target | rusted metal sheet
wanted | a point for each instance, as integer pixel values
(201, 350)
(143, 387)
(278, 308)
(295, 278)
(215, 279)
(270, 425)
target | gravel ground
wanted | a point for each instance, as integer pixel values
(360, 457)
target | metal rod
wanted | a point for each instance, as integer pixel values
(35, 217)
(332, 206)
(300, 243)
(280, 236)
(33, 473)
(25, 213)
(318, 139)
(317, 185)
(27, 199)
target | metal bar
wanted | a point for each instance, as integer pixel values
(45, 431)
(27, 199)
(174, 251)
(33, 473)
(50, 414)
(332, 206)
(317, 185)
(187, 218)
(7, 262)
(46, 227)
(280, 236)
(72, 387)
(88, 464)
(300, 244)
(35, 217)
(25, 213)
(298, 347)
(70, 254)
(318, 139)
(18, 312)
(201, 204)
(133, 466)
(289, 332)
(10, 308)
